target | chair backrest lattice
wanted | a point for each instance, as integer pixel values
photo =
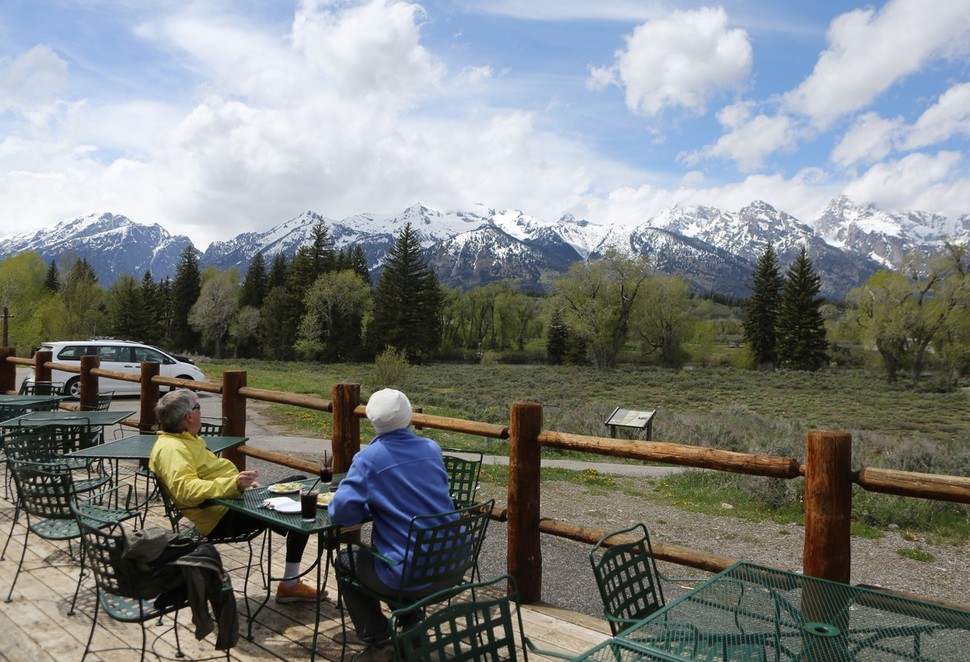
(627, 577)
(444, 547)
(463, 476)
(104, 546)
(42, 388)
(212, 427)
(49, 443)
(479, 622)
(45, 491)
(103, 403)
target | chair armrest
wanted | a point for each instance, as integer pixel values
(352, 546)
(123, 493)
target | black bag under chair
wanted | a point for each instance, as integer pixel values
(142, 575)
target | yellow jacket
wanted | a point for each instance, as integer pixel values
(192, 473)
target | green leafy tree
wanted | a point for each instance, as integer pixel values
(597, 300)
(244, 332)
(186, 288)
(902, 313)
(801, 325)
(332, 324)
(663, 320)
(213, 311)
(407, 302)
(82, 298)
(761, 320)
(31, 305)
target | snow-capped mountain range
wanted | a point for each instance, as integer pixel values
(715, 250)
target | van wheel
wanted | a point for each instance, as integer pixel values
(72, 388)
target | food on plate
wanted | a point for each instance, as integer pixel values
(324, 499)
(284, 488)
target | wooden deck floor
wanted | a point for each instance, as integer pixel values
(35, 626)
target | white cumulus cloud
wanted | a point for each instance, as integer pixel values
(681, 60)
(870, 49)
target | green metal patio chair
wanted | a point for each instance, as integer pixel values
(479, 622)
(442, 550)
(627, 577)
(46, 494)
(118, 584)
(463, 475)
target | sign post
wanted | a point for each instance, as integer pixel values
(632, 418)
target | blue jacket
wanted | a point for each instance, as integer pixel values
(399, 475)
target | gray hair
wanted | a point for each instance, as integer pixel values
(172, 408)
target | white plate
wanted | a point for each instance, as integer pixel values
(324, 499)
(291, 507)
(284, 488)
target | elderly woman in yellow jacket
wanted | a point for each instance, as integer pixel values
(192, 474)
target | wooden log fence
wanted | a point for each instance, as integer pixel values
(827, 467)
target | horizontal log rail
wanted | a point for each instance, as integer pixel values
(913, 484)
(680, 454)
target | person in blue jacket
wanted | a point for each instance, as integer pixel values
(397, 476)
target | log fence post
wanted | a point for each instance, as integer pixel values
(42, 371)
(345, 437)
(8, 370)
(234, 411)
(89, 383)
(828, 505)
(148, 397)
(524, 550)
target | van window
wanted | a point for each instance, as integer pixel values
(146, 354)
(75, 352)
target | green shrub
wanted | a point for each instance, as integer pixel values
(391, 370)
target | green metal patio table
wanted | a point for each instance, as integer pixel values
(139, 447)
(251, 503)
(751, 612)
(66, 417)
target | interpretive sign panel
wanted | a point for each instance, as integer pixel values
(640, 419)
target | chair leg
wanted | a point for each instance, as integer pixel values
(23, 554)
(77, 589)
(94, 624)
(13, 523)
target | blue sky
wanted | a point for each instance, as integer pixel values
(223, 116)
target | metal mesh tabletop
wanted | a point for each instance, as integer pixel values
(60, 417)
(751, 612)
(251, 501)
(139, 447)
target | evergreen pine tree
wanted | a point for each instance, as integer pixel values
(557, 339)
(152, 309)
(185, 292)
(277, 272)
(761, 322)
(254, 286)
(801, 328)
(407, 302)
(53, 280)
(357, 262)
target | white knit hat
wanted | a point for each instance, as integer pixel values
(389, 410)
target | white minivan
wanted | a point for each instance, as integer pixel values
(117, 355)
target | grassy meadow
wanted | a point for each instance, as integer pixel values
(768, 413)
